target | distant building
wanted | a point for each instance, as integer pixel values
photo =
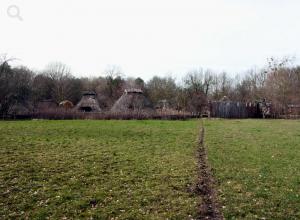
(88, 103)
(66, 104)
(132, 100)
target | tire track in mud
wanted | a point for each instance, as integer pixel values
(209, 207)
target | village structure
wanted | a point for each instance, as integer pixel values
(88, 103)
(135, 101)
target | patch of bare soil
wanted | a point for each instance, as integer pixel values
(209, 207)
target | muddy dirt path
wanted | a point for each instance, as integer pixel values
(206, 187)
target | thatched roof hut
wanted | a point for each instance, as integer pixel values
(66, 104)
(88, 103)
(132, 100)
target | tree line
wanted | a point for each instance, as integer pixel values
(278, 83)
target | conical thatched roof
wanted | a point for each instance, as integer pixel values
(132, 100)
(88, 103)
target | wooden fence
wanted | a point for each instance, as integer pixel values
(229, 109)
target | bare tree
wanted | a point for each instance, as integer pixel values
(194, 80)
(281, 83)
(208, 80)
(197, 85)
(15, 85)
(160, 88)
(113, 71)
(61, 77)
(113, 75)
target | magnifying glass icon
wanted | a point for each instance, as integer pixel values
(13, 11)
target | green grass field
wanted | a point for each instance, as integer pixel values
(257, 166)
(99, 169)
(146, 169)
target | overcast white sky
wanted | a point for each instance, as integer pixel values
(153, 37)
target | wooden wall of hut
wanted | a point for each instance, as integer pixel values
(229, 109)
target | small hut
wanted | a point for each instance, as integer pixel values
(132, 100)
(66, 104)
(88, 103)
